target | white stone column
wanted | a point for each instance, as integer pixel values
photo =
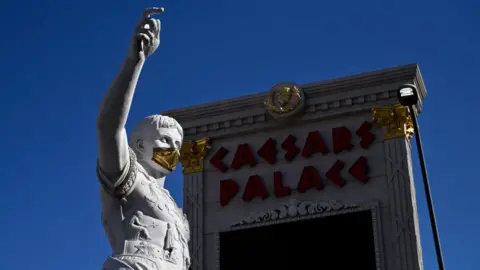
(193, 207)
(192, 159)
(403, 248)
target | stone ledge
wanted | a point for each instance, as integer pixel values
(346, 94)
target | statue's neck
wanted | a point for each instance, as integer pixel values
(159, 177)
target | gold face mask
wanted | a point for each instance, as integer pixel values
(167, 158)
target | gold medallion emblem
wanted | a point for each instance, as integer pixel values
(284, 98)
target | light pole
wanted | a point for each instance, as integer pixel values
(408, 96)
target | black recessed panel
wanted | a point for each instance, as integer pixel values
(338, 242)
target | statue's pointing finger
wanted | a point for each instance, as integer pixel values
(150, 23)
(147, 13)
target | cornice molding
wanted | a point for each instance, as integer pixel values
(324, 99)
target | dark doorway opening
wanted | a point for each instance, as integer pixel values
(337, 242)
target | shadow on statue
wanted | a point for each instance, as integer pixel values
(337, 242)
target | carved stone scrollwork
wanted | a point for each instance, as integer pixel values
(192, 155)
(395, 120)
(294, 209)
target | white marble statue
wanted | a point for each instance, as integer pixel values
(145, 228)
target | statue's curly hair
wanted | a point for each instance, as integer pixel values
(153, 122)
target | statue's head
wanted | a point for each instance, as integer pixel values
(157, 140)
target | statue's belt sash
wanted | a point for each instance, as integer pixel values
(135, 250)
(133, 262)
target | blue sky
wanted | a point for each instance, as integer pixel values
(59, 57)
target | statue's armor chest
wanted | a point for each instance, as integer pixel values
(157, 203)
(151, 225)
(161, 205)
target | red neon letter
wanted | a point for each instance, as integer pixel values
(359, 169)
(279, 189)
(217, 159)
(290, 147)
(367, 137)
(309, 179)
(342, 139)
(269, 151)
(334, 173)
(243, 156)
(228, 190)
(255, 188)
(314, 144)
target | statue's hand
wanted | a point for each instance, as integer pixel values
(147, 35)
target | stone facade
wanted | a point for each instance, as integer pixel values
(348, 102)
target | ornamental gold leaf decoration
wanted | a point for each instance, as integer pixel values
(395, 120)
(192, 155)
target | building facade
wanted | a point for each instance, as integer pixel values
(304, 152)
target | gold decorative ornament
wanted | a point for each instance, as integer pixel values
(283, 99)
(167, 158)
(396, 121)
(192, 155)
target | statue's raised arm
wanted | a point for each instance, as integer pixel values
(113, 150)
(144, 226)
